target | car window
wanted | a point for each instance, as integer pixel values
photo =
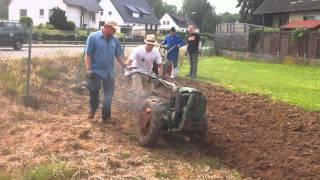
(20, 27)
(1, 24)
(9, 26)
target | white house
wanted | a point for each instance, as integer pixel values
(81, 12)
(180, 23)
(134, 17)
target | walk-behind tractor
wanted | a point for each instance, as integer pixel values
(172, 109)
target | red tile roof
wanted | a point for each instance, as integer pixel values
(309, 24)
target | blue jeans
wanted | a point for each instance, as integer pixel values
(94, 86)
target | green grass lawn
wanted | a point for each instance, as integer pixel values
(298, 85)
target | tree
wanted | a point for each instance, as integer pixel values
(157, 7)
(170, 8)
(247, 8)
(58, 18)
(229, 18)
(202, 13)
(27, 21)
(160, 8)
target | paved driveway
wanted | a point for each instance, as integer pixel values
(49, 51)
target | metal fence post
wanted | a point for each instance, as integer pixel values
(29, 63)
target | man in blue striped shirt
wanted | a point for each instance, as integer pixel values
(101, 50)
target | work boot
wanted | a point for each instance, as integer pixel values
(108, 120)
(91, 115)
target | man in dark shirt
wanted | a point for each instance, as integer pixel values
(193, 40)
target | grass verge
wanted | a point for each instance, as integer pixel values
(294, 84)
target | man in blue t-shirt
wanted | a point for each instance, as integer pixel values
(101, 49)
(173, 41)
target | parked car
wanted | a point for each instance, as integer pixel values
(12, 34)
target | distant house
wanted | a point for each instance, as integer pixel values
(181, 24)
(134, 17)
(276, 13)
(84, 13)
(313, 25)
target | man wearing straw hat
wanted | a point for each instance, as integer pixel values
(101, 49)
(141, 60)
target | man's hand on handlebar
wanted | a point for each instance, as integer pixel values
(163, 46)
(130, 68)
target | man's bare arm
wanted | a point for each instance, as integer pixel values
(160, 68)
(121, 61)
(88, 62)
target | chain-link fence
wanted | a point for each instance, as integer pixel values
(39, 73)
(208, 48)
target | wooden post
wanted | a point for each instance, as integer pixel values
(262, 42)
(279, 42)
(306, 47)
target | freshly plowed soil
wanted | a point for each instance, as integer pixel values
(260, 137)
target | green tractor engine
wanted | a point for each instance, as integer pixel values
(183, 112)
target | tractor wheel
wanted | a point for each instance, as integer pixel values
(201, 136)
(151, 121)
(204, 133)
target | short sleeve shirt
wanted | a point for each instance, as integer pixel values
(143, 60)
(193, 43)
(102, 52)
(172, 41)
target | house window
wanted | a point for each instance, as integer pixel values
(168, 23)
(311, 17)
(93, 16)
(101, 13)
(110, 13)
(41, 12)
(164, 23)
(23, 12)
(283, 19)
(136, 15)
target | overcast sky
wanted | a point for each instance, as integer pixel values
(221, 5)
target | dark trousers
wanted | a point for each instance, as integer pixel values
(193, 59)
(94, 87)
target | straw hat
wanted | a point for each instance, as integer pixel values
(150, 39)
(112, 24)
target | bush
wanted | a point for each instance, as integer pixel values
(70, 25)
(207, 36)
(40, 26)
(82, 38)
(183, 35)
(27, 21)
(298, 34)
(59, 37)
(58, 18)
(50, 26)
